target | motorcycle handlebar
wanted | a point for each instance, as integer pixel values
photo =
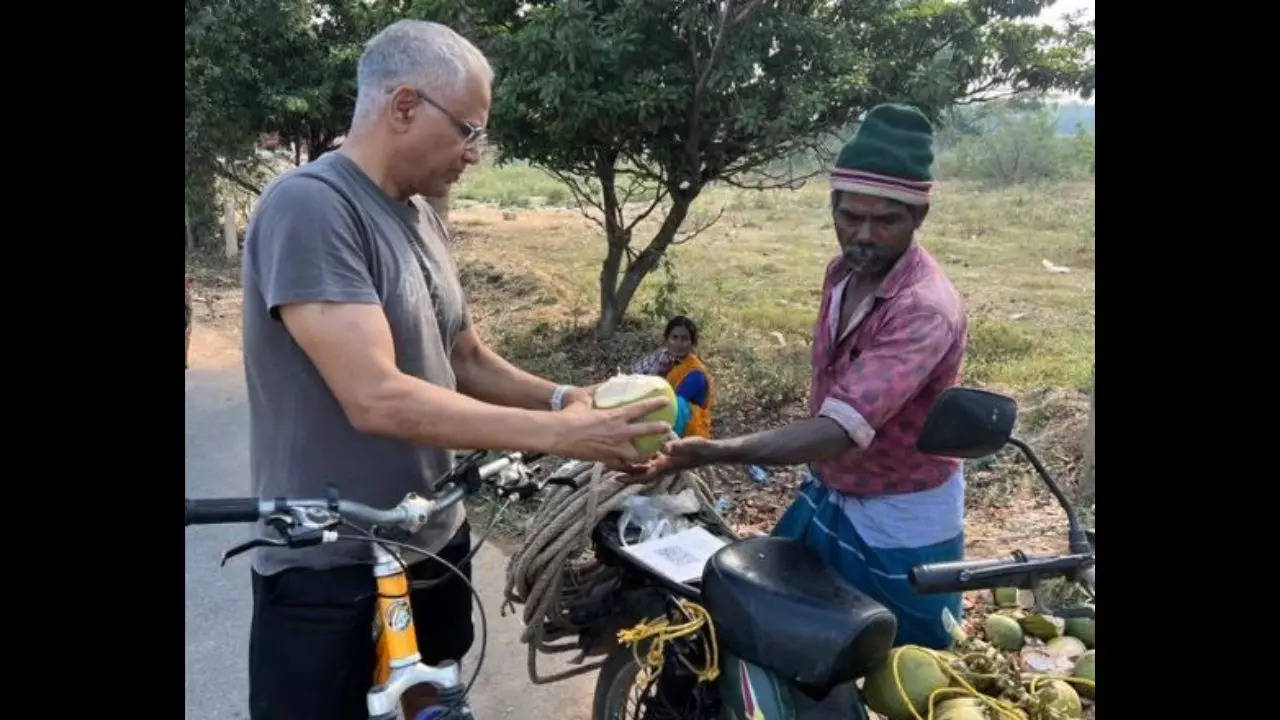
(1010, 571)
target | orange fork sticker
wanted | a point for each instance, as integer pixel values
(397, 641)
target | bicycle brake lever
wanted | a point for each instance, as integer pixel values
(293, 538)
(245, 547)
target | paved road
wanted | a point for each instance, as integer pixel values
(218, 603)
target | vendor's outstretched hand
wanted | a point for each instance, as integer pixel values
(678, 454)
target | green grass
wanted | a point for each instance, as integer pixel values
(1029, 329)
(512, 185)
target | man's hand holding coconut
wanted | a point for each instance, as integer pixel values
(648, 400)
(588, 432)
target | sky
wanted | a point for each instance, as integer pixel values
(1058, 9)
(1053, 14)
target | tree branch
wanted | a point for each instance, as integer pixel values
(791, 182)
(228, 175)
(658, 194)
(634, 183)
(971, 99)
(727, 21)
(686, 237)
(580, 196)
(778, 152)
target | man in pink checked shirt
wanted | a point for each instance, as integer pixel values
(889, 339)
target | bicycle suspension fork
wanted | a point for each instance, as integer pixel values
(400, 666)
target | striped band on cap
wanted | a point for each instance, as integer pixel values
(911, 192)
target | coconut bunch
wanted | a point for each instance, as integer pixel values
(1022, 665)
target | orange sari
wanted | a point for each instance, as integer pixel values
(700, 415)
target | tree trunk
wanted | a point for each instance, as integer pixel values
(610, 313)
(618, 238)
(191, 234)
(231, 248)
(616, 296)
(1086, 474)
(319, 142)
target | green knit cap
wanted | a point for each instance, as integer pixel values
(889, 156)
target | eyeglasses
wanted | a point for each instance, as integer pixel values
(473, 135)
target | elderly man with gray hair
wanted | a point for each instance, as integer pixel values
(363, 369)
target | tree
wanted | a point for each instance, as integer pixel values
(255, 67)
(219, 107)
(653, 100)
(1018, 145)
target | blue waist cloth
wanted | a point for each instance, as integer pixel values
(881, 573)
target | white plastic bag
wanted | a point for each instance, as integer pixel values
(657, 515)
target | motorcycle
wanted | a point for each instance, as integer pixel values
(789, 637)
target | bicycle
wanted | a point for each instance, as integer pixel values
(308, 522)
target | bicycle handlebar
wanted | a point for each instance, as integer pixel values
(222, 511)
(412, 510)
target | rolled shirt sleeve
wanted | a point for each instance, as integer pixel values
(887, 373)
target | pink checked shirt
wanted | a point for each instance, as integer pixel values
(879, 376)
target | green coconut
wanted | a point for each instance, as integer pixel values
(1045, 627)
(1003, 632)
(1084, 669)
(1060, 697)
(968, 708)
(627, 389)
(920, 675)
(957, 666)
(947, 656)
(963, 708)
(1081, 628)
(1066, 646)
(1005, 596)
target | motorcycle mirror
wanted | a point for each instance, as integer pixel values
(968, 423)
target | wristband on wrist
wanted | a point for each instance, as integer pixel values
(557, 397)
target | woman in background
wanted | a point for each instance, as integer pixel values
(687, 375)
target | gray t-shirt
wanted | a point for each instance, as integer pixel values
(325, 232)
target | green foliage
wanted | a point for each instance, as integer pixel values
(655, 99)
(665, 303)
(630, 80)
(256, 67)
(1004, 143)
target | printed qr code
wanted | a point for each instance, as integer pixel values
(676, 555)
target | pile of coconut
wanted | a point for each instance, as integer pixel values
(1019, 665)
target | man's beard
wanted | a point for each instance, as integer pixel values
(866, 258)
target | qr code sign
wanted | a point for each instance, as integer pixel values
(676, 555)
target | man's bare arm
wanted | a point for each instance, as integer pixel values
(485, 375)
(811, 440)
(352, 347)
(806, 441)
